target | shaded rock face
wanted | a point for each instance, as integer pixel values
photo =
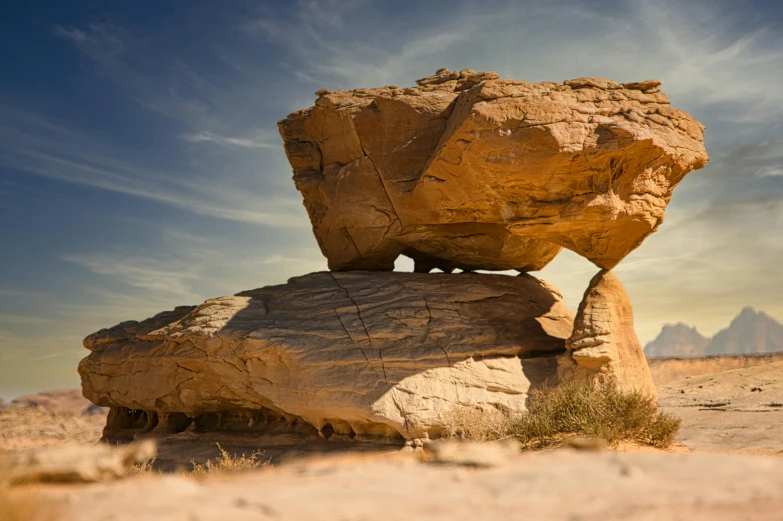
(604, 344)
(473, 172)
(345, 354)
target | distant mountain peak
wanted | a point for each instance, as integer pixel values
(750, 332)
(677, 340)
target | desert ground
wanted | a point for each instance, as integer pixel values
(726, 461)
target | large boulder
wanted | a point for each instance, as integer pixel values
(604, 346)
(470, 171)
(389, 355)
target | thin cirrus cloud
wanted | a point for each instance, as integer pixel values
(209, 137)
(703, 57)
(33, 144)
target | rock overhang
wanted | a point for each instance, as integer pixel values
(473, 172)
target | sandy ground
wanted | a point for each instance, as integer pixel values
(28, 428)
(736, 411)
(555, 485)
(726, 464)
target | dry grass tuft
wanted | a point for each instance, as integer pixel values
(600, 410)
(574, 409)
(227, 462)
(479, 425)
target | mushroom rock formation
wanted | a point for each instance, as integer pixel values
(353, 354)
(473, 172)
(604, 345)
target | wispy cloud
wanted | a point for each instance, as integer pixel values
(24, 319)
(209, 137)
(153, 275)
(32, 144)
(699, 50)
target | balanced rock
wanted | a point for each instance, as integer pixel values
(473, 172)
(363, 354)
(604, 345)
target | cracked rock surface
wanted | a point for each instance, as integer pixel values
(346, 354)
(470, 171)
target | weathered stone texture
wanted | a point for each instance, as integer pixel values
(354, 353)
(470, 171)
(604, 345)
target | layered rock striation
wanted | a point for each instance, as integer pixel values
(471, 171)
(604, 345)
(356, 354)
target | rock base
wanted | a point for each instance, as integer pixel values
(351, 355)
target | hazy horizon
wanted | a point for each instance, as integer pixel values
(140, 165)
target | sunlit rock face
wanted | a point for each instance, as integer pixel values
(356, 354)
(604, 346)
(470, 171)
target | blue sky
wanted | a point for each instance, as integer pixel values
(140, 165)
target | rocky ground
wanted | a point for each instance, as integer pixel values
(48, 419)
(726, 463)
(739, 410)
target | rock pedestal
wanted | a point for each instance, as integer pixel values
(604, 345)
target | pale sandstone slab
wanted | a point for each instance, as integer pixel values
(604, 345)
(470, 171)
(74, 463)
(549, 486)
(351, 353)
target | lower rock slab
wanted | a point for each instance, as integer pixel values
(351, 355)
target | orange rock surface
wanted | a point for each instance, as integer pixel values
(470, 171)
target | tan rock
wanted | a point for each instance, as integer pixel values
(473, 454)
(347, 353)
(604, 344)
(74, 463)
(470, 171)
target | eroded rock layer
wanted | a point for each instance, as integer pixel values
(604, 345)
(470, 171)
(344, 353)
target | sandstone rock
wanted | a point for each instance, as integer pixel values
(472, 453)
(470, 171)
(346, 353)
(74, 463)
(604, 344)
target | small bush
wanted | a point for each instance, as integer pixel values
(227, 462)
(478, 425)
(599, 410)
